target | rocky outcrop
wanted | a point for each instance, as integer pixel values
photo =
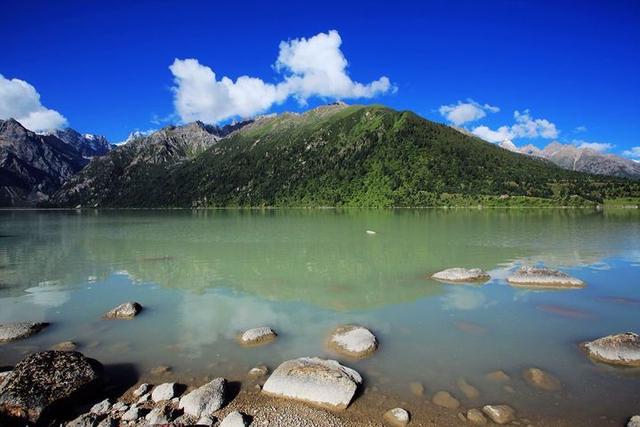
(462, 275)
(542, 278)
(19, 330)
(127, 310)
(620, 349)
(205, 399)
(46, 381)
(353, 341)
(314, 380)
(257, 336)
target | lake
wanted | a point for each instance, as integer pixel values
(203, 276)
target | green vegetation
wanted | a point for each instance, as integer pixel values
(354, 156)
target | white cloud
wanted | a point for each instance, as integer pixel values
(311, 67)
(464, 112)
(600, 147)
(633, 153)
(580, 129)
(524, 127)
(21, 101)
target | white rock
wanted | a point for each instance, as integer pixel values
(258, 371)
(18, 330)
(144, 398)
(371, 232)
(461, 275)
(354, 341)
(619, 349)
(314, 380)
(164, 391)
(634, 421)
(143, 389)
(205, 421)
(258, 336)
(157, 416)
(534, 277)
(396, 417)
(131, 414)
(119, 406)
(204, 400)
(499, 414)
(233, 419)
(101, 408)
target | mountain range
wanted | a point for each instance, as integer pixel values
(33, 166)
(582, 159)
(333, 155)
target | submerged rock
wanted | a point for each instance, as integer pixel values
(475, 416)
(204, 400)
(18, 330)
(258, 336)
(65, 346)
(446, 400)
(470, 391)
(43, 381)
(498, 376)
(540, 277)
(396, 417)
(500, 414)
(540, 379)
(353, 341)
(314, 380)
(619, 349)
(128, 310)
(416, 388)
(461, 275)
(258, 371)
(163, 392)
(234, 419)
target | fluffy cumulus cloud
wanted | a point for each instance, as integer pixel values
(633, 153)
(464, 112)
(600, 147)
(525, 126)
(21, 101)
(309, 67)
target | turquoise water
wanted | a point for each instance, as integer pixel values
(203, 276)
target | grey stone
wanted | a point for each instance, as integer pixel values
(205, 399)
(127, 310)
(500, 414)
(164, 391)
(353, 341)
(234, 419)
(18, 330)
(101, 408)
(131, 414)
(620, 349)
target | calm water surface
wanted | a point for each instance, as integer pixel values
(204, 276)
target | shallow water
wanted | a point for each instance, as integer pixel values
(203, 276)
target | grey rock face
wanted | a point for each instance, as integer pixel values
(33, 166)
(44, 380)
(204, 400)
(127, 310)
(620, 349)
(18, 330)
(314, 380)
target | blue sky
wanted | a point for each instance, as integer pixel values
(104, 66)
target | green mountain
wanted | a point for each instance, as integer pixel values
(335, 155)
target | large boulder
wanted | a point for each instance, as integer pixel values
(18, 330)
(204, 400)
(45, 381)
(353, 341)
(318, 381)
(461, 275)
(543, 278)
(127, 310)
(620, 349)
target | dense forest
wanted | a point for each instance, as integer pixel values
(339, 155)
